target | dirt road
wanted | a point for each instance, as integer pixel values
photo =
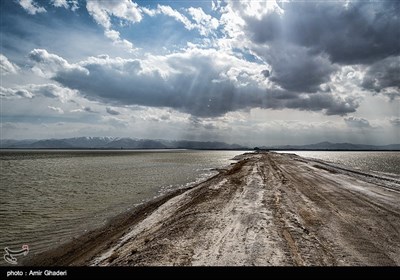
(269, 209)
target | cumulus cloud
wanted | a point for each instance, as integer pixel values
(47, 64)
(102, 11)
(125, 10)
(203, 83)
(204, 22)
(304, 43)
(355, 122)
(349, 32)
(31, 7)
(6, 66)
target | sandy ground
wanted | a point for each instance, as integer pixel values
(266, 210)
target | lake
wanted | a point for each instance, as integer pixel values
(49, 196)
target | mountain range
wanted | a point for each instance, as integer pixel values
(133, 143)
(115, 143)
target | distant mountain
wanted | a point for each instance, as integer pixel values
(115, 143)
(335, 146)
(131, 143)
(128, 143)
(51, 144)
(92, 142)
(9, 143)
(209, 145)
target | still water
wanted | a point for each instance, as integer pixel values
(48, 197)
(380, 162)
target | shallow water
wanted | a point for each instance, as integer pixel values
(48, 197)
(381, 162)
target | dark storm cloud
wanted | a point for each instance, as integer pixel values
(296, 69)
(383, 74)
(194, 85)
(361, 32)
(308, 41)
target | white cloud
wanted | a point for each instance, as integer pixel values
(115, 37)
(31, 7)
(56, 109)
(126, 10)
(45, 90)
(168, 11)
(7, 67)
(101, 11)
(204, 23)
(60, 3)
(9, 93)
(67, 4)
(46, 64)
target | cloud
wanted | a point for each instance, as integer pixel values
(304, 43)
(348, 32)
(395, 122)
(355, 122)
(56, 109)
(44, 90)
(102, 11)
(9, 93)
(204, 23)
(296, 69)
(168, 11)
(203, 83)
(383, 74)
(266, 73)
(197, 124)
(116, 38)
(60, 3)
(112, 111)
(7, 67)
(67, 4)
(125, 10)
(89, 109)
(47, 64)
(31, 7)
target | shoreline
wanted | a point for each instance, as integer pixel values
(266, 209)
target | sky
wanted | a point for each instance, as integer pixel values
(245, 72)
